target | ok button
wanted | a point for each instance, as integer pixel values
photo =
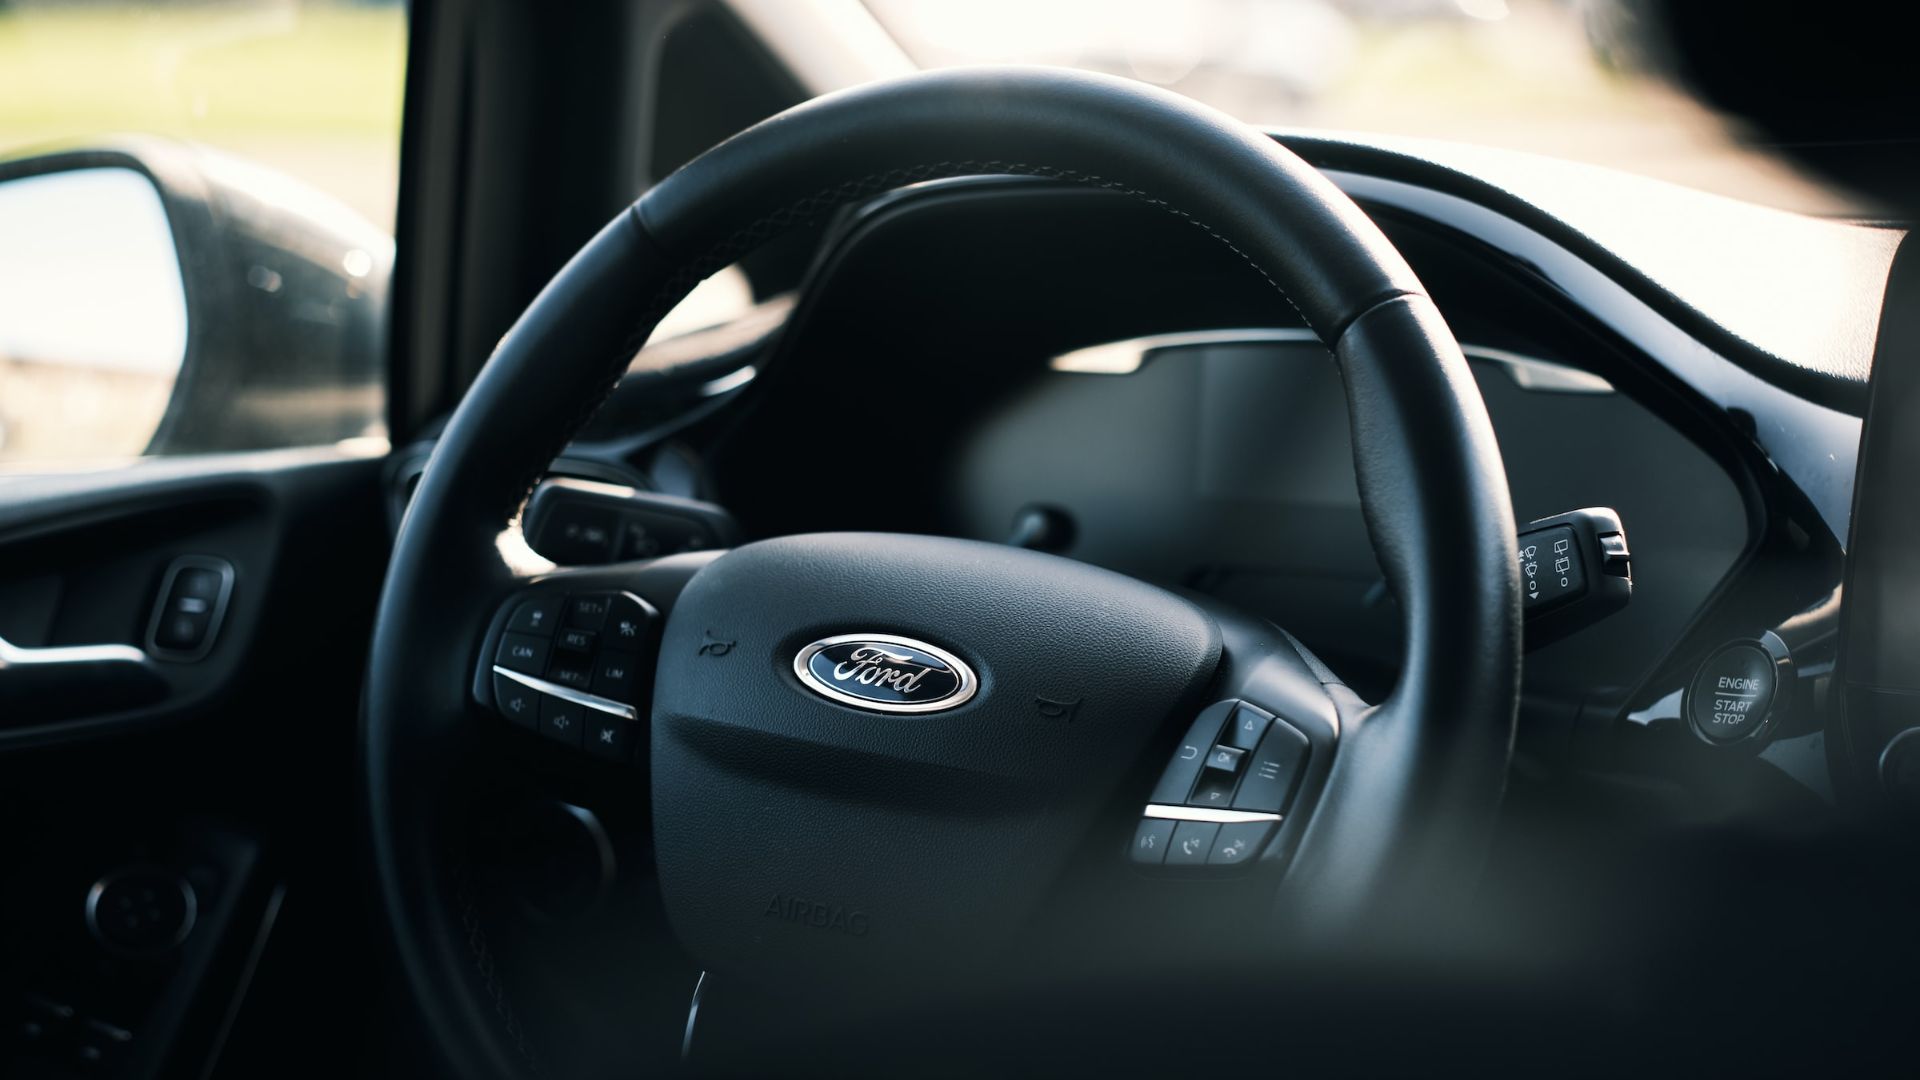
(1225, 758)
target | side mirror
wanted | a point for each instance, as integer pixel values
(159, 297)
(93, 313)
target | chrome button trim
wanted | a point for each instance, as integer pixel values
(567, 693)
(1202, 813)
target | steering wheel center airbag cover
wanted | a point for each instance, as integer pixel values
(776, 805)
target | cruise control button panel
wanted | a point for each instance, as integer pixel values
(573, 667)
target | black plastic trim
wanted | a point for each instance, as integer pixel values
(214, 619)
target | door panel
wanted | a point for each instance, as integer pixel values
(223, 778)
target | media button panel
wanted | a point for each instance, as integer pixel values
(1221, 799)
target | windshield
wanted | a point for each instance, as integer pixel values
(1553, 77)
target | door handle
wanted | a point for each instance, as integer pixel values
(68, 656)
(66, 682)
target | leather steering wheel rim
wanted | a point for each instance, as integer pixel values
(1417, 778)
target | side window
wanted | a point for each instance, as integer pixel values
(196, 217)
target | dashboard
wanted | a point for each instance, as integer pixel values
(970, 357)
(982, 349)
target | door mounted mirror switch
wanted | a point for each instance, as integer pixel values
(192, 602)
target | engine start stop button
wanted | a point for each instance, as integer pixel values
(1732, 694)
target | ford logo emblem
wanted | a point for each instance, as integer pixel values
(885, 673)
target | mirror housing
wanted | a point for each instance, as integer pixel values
(285, 291)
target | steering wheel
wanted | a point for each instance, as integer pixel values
(883, 760)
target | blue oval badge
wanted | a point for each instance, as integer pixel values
(885, 673)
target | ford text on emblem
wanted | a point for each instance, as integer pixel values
(885, 673)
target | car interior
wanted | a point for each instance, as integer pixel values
(891, 537)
